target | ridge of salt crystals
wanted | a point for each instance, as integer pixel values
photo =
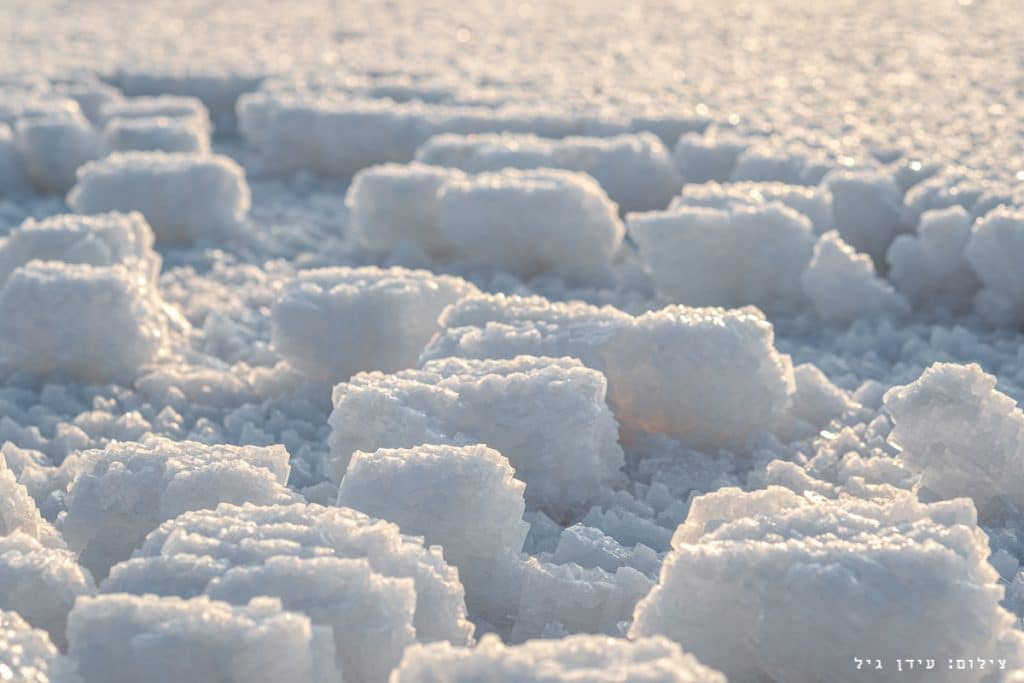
(963, 436)
(218, 89)
(736, 256)
(19, 513)
(707, 375)
(128, 638)
(993, 250)
(185, 555)
(331, 323)
(41, 583)
(479, 525)
(867, 208)
(186, 198)
(931, 265)
(157, 134)
(53, 148)
(95, 323)
(546, 415)
(708, 157)
(755, 579)
(526, 222)
(178, 107)
(103, 239)
(814, 202)
(369, 615)
(843, 286)
(595, 659)
(128, 489)
(635, 170)
(28, 656)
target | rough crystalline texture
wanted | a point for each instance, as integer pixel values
(994, 250)
(184, 555)
(54, 147)
(813, 202)
(157, 134)
(369, 614)
(19, 513)
(331, 323)
(558, 599)
(185, 197)
(707, 375)
(217, 88)
(776, 159)
(594, 659)
(97, 324)
(963, 436)
(333, 138)
(28, 656)
(843, 286)
(635, 170)
(754, 580)
(395, 205)
(524, 222)
(547, 416)
(478, 523)
(126, 490)
(708, 156)
(730, 257)
(91, 96)
(128, 638)
(532, 222)
(332, 133)
(868, 210)
(41, 583)
(100, 240)
(930, 267)
(187, 109)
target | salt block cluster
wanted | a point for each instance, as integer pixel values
(931, 266)
(547, 416)
(843, 286)
(185, 197)
(157, 134)
(127, 489)
(962, 435)
(867, 207)
(707, 375)
(184, 556)
(635, 170)
(127, 638)
(159, 107)
(101, 240)
(26, 653)
(992, 250)
(708, 156)
(218, 89)
(726, 257)
(41, 583)
(755, 579)
(814, 202)
(331, 323)
(597, 659)
(480, 529)
(479, 525)
(20, 514)
(97, 324)
(54, 147)
(525, 222)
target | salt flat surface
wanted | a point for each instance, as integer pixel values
(347, 342)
